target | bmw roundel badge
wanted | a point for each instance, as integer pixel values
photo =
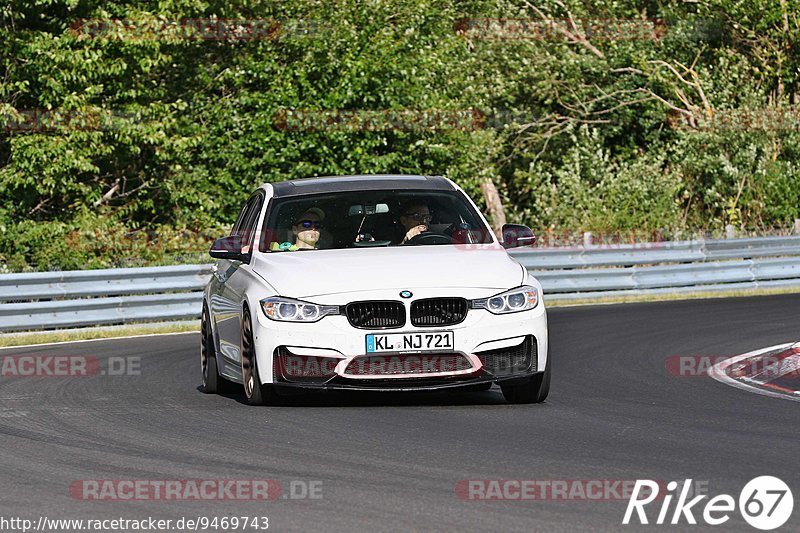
(406, 294)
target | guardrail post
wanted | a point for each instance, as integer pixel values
(730, 232)
(797, 226)
(588, 238)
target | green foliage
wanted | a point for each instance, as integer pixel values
(592, 190)
(169, 135)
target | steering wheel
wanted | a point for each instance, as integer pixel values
(430, 237)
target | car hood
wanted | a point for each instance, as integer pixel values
(305, 274)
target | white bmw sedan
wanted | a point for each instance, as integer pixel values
(380, 283)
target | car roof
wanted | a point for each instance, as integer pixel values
(329, 184)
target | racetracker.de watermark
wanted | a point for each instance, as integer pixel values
(600, 238)
(570, 29)
(766, 367)
(409, 120)
(600, 490)
(194, 489)
(212, 29)
(196, 29)
(58, 120)
(742, 119)
(40, 365)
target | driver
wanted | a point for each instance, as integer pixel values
(415, 218)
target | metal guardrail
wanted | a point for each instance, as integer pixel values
(105, 282)
(46, 300)
(99, 311)
(656, 253)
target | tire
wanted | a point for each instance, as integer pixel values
(534, 391)
(208, 361)
(256, 392)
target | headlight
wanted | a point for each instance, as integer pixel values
(288, 310)
(513, 301)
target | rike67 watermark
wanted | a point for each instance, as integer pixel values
(765, 503)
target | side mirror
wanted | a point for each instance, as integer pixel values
(516, 235)
(229, 248)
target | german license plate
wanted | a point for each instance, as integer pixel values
(410, 342)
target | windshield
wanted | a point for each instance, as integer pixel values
(364, 219)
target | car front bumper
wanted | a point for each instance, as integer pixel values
(489, 348)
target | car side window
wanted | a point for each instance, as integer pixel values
(248, 229)
(237, 226)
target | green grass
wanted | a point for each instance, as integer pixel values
(43, 337)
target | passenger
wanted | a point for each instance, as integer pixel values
(305, 230)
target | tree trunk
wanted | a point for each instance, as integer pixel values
(497, 214)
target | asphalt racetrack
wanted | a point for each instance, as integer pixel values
(392, 462)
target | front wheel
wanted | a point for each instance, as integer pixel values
(535, 390)
(256, 392)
